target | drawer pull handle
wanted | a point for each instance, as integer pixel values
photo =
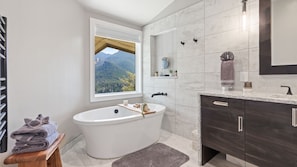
(220, 103)
(240, 123)
(294, 117)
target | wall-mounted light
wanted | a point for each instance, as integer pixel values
(244, 16)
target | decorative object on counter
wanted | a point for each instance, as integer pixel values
(248, 87)
(165, 62)
(175, 73)
(227, 70)
(156, 74)
(35, 135)
(171, 73)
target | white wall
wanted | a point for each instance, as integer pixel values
(48, 63)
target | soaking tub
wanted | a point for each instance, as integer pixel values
(115, 131)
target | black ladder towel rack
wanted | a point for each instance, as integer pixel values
(3, 84)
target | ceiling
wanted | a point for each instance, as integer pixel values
(135, 12)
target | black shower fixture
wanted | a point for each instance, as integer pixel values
(195, 40)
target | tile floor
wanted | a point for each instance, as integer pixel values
(77, 157)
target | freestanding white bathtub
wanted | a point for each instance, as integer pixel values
(109, 134)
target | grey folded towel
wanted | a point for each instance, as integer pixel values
(227, 56)
(40, 120)
(26, 133)
(227, 73)
(34, 145)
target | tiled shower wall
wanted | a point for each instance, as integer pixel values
(217, 26)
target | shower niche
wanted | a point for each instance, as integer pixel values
(163, 54)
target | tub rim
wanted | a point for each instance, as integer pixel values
(124, 119)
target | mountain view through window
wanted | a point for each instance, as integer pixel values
(115, 67)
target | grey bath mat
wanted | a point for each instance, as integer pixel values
(156, 155)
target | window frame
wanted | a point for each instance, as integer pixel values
(118, 32)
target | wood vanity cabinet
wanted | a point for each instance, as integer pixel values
(270, 138)
(261, 133)
(222, 123)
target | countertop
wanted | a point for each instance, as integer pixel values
(257, 96)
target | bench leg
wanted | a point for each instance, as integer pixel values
(55, 159)
(33, 164)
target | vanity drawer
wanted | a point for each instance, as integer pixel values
(221, 103)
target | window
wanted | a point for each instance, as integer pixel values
(115, 65)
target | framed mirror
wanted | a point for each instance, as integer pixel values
(277, 53)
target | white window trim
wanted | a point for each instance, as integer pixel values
(94, 23)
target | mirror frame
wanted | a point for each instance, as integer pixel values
(266, 68)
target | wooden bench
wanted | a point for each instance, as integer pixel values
(47, 158)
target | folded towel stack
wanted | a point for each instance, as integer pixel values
(35, 135)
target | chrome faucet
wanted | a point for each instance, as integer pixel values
(159, 93)
(289, 89)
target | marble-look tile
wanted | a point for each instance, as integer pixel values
(147, 93)
(254, 36)
(213, 62)
(213, 7)
(212, 81)
(164, 83)
(193, 81)
(148, 80)
(191, 48)
(241, 60)
(253, 12)
(186, 120)
(230, 40)
(224, 21)
(168, 123)
(186, 97)
(238, 85)
(191, 64)
(272, 83)
(254, 60)
(189, 31)
(164, 25)
(219, 161)
(190, 15)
